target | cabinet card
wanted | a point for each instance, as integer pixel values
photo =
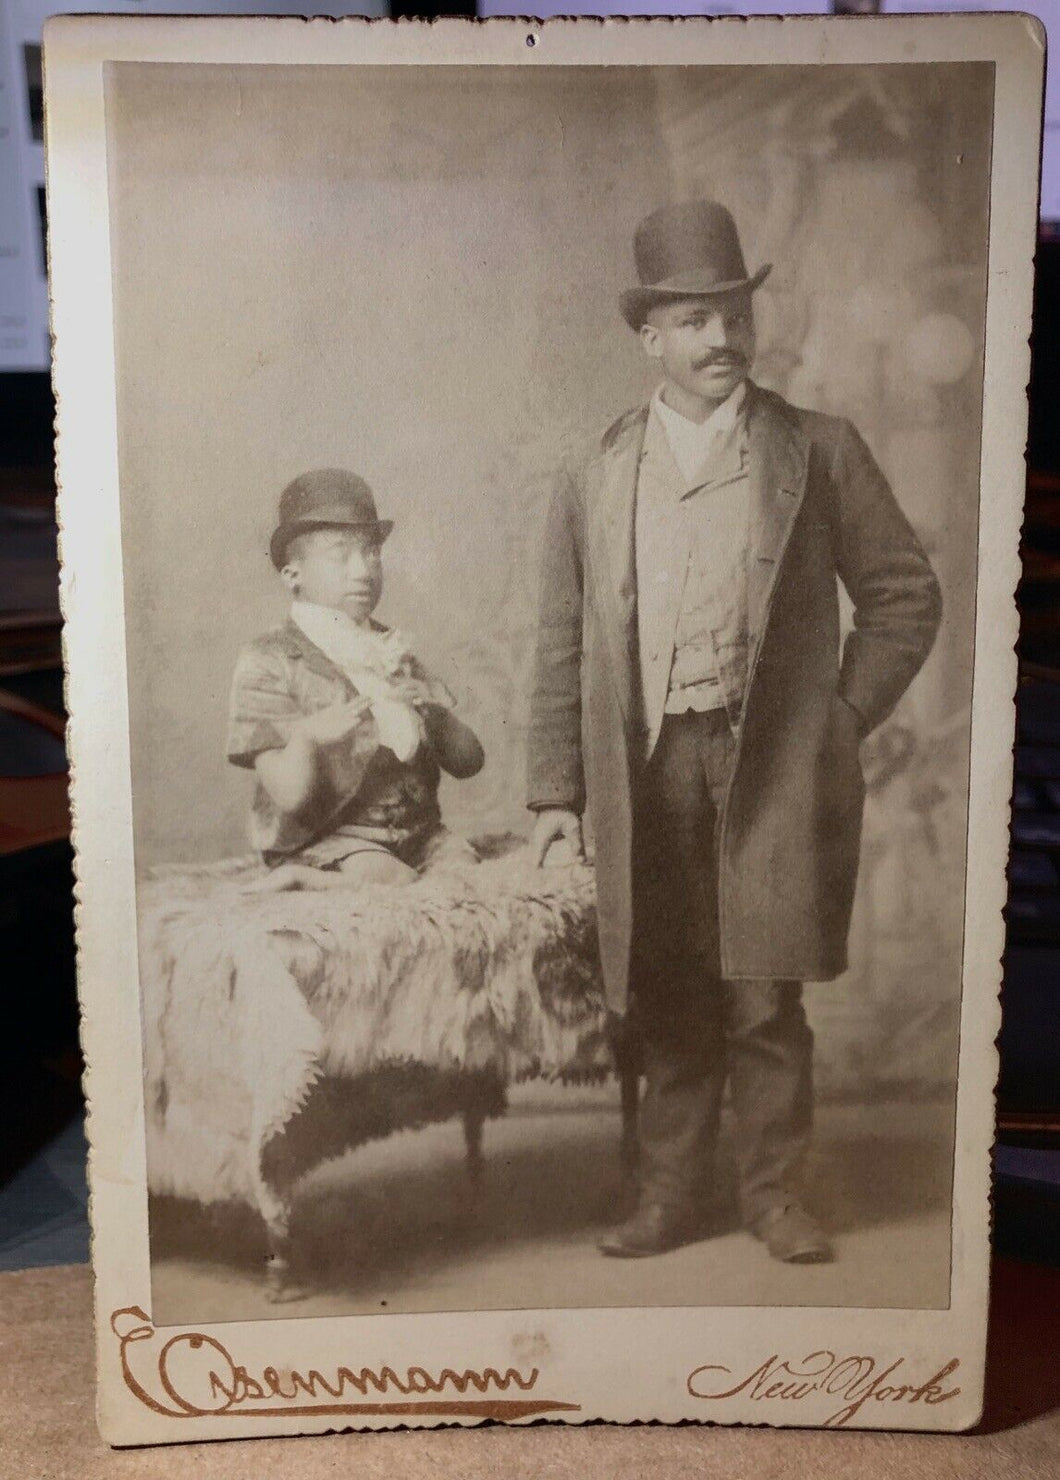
(540, 510)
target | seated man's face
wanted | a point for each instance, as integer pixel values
(705, 345)
(337, 567)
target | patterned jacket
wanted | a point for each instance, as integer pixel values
(279, 678)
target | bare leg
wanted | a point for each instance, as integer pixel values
(286, 877)
(375, 867)
(448, 853)
(361, 868)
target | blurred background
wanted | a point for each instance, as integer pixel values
(884, 332)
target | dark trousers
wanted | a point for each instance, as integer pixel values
(697, 1031)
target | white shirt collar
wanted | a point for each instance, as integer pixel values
(692, 442)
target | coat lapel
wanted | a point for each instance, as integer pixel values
(611, 508)
(298, 646)
(724, 465)
(778, 457)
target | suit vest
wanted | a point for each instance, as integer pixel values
(692, 544)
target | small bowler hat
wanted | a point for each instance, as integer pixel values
(324, 497)
(684, 251)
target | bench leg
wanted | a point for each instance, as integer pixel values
(627, 1056)
(474, 1119)
(629, 1148)
(280, 1284)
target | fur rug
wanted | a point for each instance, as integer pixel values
(453, 986)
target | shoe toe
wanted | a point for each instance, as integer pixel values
(650, 1231)
(792, 1236)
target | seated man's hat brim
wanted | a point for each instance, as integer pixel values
(637, 303)
(322, 519)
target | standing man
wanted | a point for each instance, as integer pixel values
(691, 689)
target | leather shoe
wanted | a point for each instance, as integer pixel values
(654, 1228)
(790, 1234)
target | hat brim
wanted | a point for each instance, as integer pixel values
(637, 303)
(285, 533)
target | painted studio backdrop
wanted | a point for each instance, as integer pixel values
(415, 275)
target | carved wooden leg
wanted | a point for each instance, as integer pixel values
(280, 1285)
(629, 1149)
(474, 1119)
(624, 1038)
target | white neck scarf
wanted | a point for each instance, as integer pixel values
(372, 661)
(369, 659)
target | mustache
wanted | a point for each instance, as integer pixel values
(726, 362)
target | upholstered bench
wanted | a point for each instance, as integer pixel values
(283, 1029)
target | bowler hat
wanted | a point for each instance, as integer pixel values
(684, 251)
(324, 497)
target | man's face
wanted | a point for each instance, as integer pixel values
(705, 345)
(337, 567)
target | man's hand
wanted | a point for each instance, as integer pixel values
(557, 825)
(414, 692)
(335, 723)
(289, 775)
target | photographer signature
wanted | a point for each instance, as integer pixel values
(193, 1375)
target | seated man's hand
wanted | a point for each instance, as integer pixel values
(335, 723)
(413, 691)
(557, 825)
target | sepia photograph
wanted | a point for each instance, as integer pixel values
(441, 404)
(549, 512)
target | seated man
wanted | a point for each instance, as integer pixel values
(346, 732)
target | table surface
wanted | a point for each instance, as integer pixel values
(47, 1428)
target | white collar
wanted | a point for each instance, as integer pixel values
(692, 442)
(720, 419)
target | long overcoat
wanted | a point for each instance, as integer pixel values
(789, 830)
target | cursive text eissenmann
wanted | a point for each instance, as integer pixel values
(854, 1380)
(191, 1374)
